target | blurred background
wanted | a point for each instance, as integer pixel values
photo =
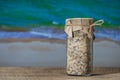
(27, 20)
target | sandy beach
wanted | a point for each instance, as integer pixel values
(52, 52)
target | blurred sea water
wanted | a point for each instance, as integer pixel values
(46, 18)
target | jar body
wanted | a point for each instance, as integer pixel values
(79, 54)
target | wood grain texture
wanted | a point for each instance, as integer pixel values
(46, 73)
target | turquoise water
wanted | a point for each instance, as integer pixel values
(27, 15)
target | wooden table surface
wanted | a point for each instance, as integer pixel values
(46, 73)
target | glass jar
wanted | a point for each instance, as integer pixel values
(79, 46)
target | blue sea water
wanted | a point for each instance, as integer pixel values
(31, 34)
(108, 33)
(104, 33)
(33, 14)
